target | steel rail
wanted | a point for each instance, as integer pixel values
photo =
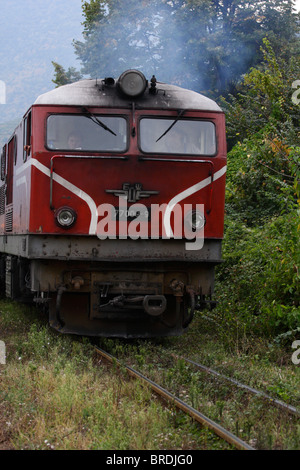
(195, 414)
(274, 401)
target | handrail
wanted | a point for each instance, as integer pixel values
(89, 157)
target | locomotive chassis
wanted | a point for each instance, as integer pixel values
(74, 276)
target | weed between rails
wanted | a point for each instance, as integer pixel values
(54, 396)
(252, 361)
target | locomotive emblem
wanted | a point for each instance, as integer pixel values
(132, 192)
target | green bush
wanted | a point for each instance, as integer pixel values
(263, 177)
(258, 285)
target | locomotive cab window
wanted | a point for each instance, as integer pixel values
(27, 137)
(10, 170)
(182, 137)
(87, 132)
(3, 163)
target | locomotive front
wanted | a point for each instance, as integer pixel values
(117, 200)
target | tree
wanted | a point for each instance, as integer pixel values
(265, 96)
(263, 176)
(122, 34)
(229, 44)
(206, 45)
(63, 77)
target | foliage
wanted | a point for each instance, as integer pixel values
(201, 44)
(55, 395)
(121, 34)
(264, 165)
(263, 177)
(259, 281)
(265, 96)
(63, 77)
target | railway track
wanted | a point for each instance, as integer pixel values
(278, 403)
(180, 404)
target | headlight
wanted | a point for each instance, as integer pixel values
(195, 220)
(65, 217)
(132, 83)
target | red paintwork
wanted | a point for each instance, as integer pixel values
(31, 200)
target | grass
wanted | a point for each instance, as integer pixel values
(54, 396)
(253, 361)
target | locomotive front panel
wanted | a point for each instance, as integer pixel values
(126, 207)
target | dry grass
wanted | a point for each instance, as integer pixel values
(253, 361)
(54, 396)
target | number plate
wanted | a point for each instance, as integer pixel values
(128, 214)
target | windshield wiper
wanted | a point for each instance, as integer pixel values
(97, 121)
(180, 113)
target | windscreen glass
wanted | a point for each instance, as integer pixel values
(86, 132)
(182, 137)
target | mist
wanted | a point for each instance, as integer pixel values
(199, 45)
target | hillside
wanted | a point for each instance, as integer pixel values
(32, 34)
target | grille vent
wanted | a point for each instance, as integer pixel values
(2, 200)
(9, 220)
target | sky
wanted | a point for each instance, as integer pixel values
(33, 33)
(298, 4)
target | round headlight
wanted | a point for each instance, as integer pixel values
(65, 217)
(195, 220)
(132, 83)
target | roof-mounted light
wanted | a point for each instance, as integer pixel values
(132, 83)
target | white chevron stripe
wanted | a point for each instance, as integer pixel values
(66, 184)
(186, 193)
(91, 203)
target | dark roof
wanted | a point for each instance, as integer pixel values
(96, 93)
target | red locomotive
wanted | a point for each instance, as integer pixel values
(112, 206)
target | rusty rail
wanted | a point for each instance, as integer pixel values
(195, 414)
(280, 404)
